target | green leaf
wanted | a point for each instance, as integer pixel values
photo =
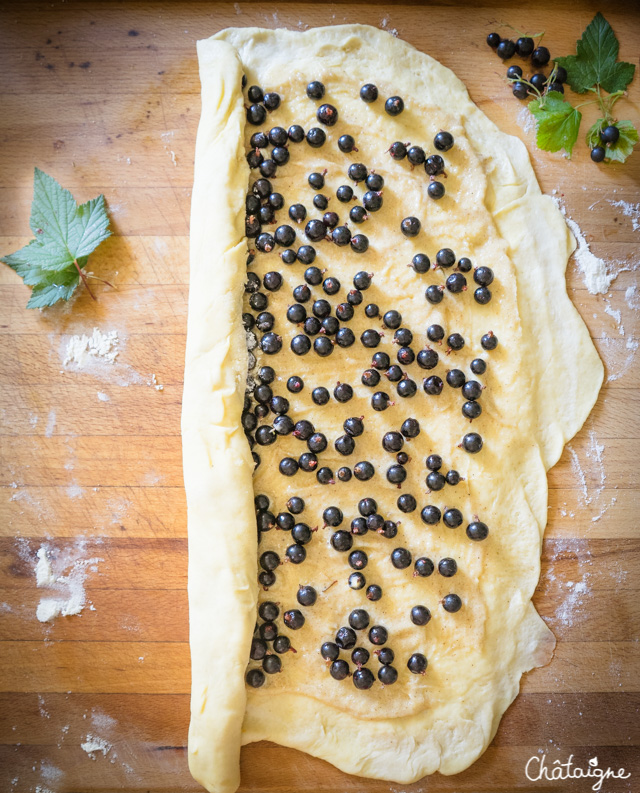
(47, 294)
(48, 255)
(557, 122)
(90, 228)
(579, 73)
(623, 147)
(593, 135)
(595, 60)
(53, 208)
(63, 227)
(618, 77)
(65, 236)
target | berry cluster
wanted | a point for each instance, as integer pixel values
(433, 166)
(539, 57)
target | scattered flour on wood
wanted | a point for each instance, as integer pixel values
(616, 314)
(64, 573)
(593, 497)
(622, 357)
(565, 613)
(618, 354)
(97, 346)
(75, 491)
(41, 707)
(632, 298)
(571, 593)
(526, 121)
(51, 424)
(50, 773)
(594, 271)
(629, 210)
(102, 721)
(100, 355)
(44, 572)
(154, 382)
(103, 397)
(93, 744)
(578, 472)
(118, 509)
(384, 24)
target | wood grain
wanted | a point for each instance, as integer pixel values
(105, 96)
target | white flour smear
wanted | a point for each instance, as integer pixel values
(384, 24)
(155, 383)
(569, 611)
(632, 298)
(37, 508)
(63, 573)
(100, 355)
(92, 745)
(572, 601)
(629, 210)
(618, 356)
(51, 424)
(594, 271)
(598, 275)
(594, 497)
(526, 121)
(98, 346)
(102, 721)
(616, 315)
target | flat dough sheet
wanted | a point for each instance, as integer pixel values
(545, 378)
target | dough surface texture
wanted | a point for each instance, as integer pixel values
(541, 382)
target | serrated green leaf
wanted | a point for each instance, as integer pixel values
(579, 72)
(45, 295)
(60, 225)
(595, 60)
(65, 236)
(623, 147)
(21, 257)
(53, 208)
(90, 228)
(30, 274)
(557, 122)
(618, 77)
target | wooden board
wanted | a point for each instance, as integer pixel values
(105, 96)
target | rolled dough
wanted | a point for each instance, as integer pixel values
(541, 383)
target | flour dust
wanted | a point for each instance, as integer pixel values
(598, 276)
(594, 498)
(62, 573)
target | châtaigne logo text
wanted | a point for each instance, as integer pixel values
(537, 769)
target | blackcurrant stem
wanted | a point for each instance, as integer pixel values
(84, 278)
(524, 35)
(102, 280)
(512, 80)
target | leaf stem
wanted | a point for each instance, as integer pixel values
(84, 278)
(102, 280)
(584, 104)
